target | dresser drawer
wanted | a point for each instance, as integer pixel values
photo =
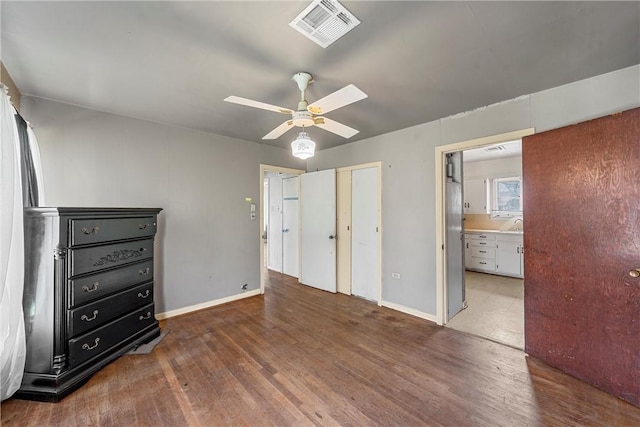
(102, 311)
(86, 260)
(88, 231)
(105, 337)
(96, 286)
(481, 252)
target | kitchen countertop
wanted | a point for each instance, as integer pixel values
(473, 230)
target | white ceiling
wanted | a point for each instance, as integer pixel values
(509, 149)
(175, 62)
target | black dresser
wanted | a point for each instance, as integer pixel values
(88, 293)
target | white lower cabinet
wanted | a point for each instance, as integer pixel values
(509, 255)
(480, 251)
(496, 253)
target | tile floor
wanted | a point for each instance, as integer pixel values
(495, 309)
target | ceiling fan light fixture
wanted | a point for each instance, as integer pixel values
(302, 119)
(303, 147)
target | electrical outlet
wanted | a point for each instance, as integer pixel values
(244, 287)
(395, 275)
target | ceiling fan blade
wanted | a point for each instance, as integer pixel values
(335, 127)
(345, 96)
(257, 104)
(279, 130)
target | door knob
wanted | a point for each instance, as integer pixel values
(635, 272)
(332, 237)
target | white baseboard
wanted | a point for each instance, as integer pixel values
(410, 311)
(185, 310)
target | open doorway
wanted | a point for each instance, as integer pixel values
(492, 243)
(492, 228)
(278, 221)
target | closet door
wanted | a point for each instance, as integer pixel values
(318, 229)
(364, 233)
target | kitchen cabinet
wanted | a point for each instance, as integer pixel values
(494, 252)
(480, 252)
(509, 255)
(475, 196)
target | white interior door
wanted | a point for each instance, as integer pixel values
(364, 233)
(290, 262)
(318, 229)
(274, 229)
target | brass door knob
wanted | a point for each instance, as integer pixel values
(635, 272)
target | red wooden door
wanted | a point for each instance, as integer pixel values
(582, 239)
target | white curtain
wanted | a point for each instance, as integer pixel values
(12, 334)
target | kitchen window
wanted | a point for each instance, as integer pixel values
(506, 197)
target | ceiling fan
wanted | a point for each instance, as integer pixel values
(307, 114)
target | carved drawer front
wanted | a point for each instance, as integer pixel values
(100, 312)
(93, 343)
(96, 286)
(87, 231)
(97, 258)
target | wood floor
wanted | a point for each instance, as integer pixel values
(299, 356)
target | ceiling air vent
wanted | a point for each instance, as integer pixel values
(495, 148)
(324, 21)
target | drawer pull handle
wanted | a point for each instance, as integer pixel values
(144, 272)
(89, 319)
(92, 288)
(145, 295)
(483, 252)
(483, 263)
(91, 347)
(145, 317)
(94, 230)
(142, 226)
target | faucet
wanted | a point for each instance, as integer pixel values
(515, 223)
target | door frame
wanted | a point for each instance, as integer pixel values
(440, 159)
(377, 165)
(263, 169)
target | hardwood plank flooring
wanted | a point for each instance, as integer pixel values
(300, 356)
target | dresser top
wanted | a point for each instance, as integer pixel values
(92, 211)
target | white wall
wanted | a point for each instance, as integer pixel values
(408, 177)
(207, 246)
